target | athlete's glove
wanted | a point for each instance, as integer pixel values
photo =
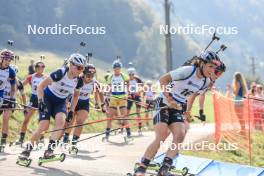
(12, 103)
(202, 115)
(69, 116)
(96, 106)
(103, 107)
(25, 111)
(188, 116)
(42, 106)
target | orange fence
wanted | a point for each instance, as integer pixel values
(235, 121)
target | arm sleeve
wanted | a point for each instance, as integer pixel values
(20, 86)
(57, 75)
(12, 76)
(79, 83)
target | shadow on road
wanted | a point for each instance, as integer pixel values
(53, 172)
(2, 159)
(119, 144)
(86, 157)
(88, 152)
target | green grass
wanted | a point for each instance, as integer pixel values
(235, 156)
(208, 108)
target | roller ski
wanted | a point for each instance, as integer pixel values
(23, 159)
(153, 170)
(50, 157)
(73, 150)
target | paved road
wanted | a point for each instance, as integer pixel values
(95, 158)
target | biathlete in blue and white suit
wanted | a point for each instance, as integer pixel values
(182, 83)
(7, 75)
(52, 93)
(91, 85)
(33, 80)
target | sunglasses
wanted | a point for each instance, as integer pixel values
(218, 73)
(89, 75)
(79, 67)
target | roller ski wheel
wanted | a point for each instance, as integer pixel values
(73, 150)
(54, 157)
(184, 171)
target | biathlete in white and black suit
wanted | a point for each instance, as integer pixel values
(52, 93)
(171, 108)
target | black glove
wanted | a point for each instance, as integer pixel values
(69, 116)
(12, 102)
(42, 106)
(25, 112)
(103, 107)
(96, 106)
(202, 115)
